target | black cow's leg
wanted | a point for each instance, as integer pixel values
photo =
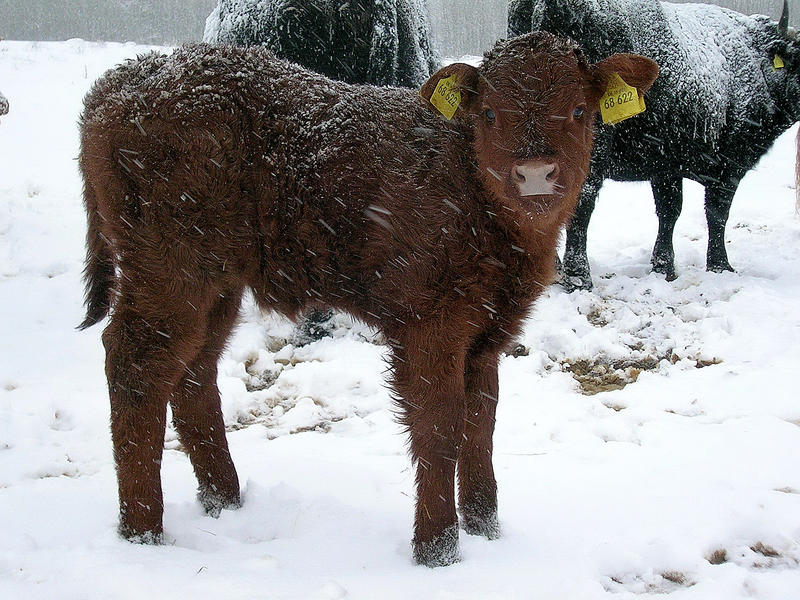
(313, 327)
(576, 262)
(668, 194)
(718, 206)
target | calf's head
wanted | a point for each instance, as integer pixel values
(532, 105)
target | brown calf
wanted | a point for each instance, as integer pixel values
(216, 170)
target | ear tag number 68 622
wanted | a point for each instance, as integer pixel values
(447, 96)
(621, 101)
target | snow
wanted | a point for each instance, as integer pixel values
(633, 492)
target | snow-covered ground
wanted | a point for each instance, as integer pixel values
(684, 482)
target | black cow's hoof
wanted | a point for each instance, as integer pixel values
(570, 283)
(664, 266)
(439, 552)
(316, 324)
(720, 267)
(668, 272)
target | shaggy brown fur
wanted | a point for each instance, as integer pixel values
(216, 170)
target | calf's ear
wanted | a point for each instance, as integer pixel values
(637, 71)
(452, 91)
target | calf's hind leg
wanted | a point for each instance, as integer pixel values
(197, 415)
(145, 358)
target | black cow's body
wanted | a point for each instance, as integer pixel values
(718, 105)
(357, 41)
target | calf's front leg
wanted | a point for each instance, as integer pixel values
(429, 380)
(477, 487)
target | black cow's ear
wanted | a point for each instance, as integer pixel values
(452, 91)
(782, 54)
(637, 71)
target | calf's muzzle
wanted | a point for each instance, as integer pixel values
(535, 177)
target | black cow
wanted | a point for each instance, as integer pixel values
(381, 42)
(728, 87)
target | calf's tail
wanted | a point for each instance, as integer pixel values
(98, 273)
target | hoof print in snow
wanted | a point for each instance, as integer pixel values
(439, 552)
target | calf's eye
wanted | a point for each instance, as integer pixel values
(490, 116)
(578, 112)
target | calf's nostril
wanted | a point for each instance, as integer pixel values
(518, 176)
(553, 174)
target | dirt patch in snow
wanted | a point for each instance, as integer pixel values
(597, 375)
(653, 583)
(600, 375)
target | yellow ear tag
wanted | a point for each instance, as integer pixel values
(777, 63)
(621, 101)
(446, 97)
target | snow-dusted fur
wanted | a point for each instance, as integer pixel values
(716, 108)
(3, 105)
(221, 169)
(382, 42)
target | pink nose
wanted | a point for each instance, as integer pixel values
(535, 177)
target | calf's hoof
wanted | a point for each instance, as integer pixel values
(440, 551)
(480, 523)
(214, 501)
(136, 536)
(140, 521)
